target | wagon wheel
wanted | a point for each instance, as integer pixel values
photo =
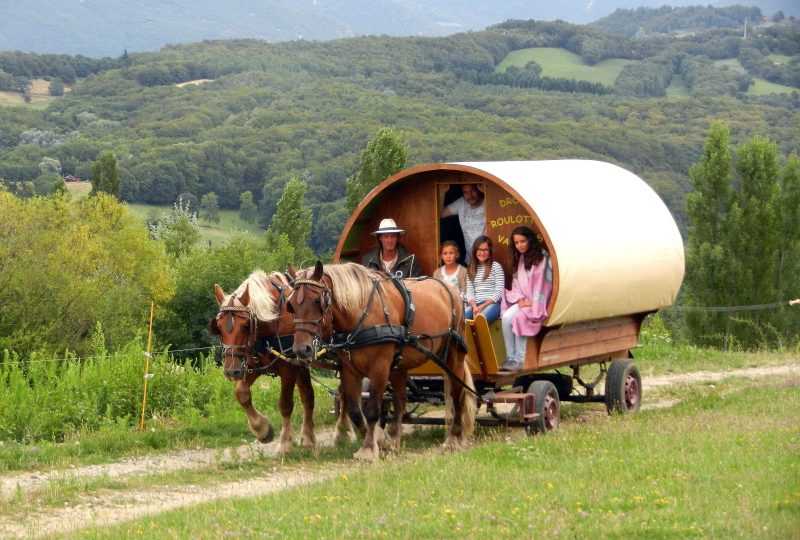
(623, 387)
(546, 404)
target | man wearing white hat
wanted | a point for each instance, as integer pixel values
(389, 255)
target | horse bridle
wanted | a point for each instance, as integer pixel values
(327, 297)
(246, 352)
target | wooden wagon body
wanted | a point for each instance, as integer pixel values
(616, 251)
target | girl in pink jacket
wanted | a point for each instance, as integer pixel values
(524, 307)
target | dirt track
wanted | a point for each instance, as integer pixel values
(116, 507)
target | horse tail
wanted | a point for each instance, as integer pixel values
(469, 404)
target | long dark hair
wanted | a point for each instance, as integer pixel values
(534, 254)
(473, 262)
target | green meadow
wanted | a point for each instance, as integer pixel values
(562, 63)
(230, 225)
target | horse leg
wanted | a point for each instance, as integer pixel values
(259, 424)
(288, 376)
(461, 404)
(374, 437)
(399, 399)
(307, 399)
(344, 428)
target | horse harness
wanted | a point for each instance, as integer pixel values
(397, 334)
(279, 347)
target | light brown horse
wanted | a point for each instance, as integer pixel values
(357, 309)
(253, 327)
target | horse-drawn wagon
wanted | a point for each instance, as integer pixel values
(616, 253)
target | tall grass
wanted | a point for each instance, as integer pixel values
(47, 398)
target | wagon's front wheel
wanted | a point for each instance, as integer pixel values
(546, 404)
(623, 387)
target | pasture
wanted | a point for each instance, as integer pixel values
(40, 96)
(211, 234)
(78, 190)
(760, 87)
(562, 63)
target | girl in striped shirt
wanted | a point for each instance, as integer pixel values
(485, 281)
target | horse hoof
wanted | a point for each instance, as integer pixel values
(344, 437)
(367, 454)
(451, 444)
(267, 438)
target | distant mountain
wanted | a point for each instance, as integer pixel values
(108, 27)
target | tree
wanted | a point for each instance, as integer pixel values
(248, 210)
(56, 87)
(178, 230)
(293, 217)
(50, 165)
(386, 154)
(788, 268)
(209, 207)
(184, 321)
(735, 241)
(84, 263)
(105, 174)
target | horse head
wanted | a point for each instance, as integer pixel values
(253, 309)
(310, 305)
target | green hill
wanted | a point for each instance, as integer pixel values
(276, 110)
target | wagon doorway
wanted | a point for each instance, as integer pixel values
(462, 215)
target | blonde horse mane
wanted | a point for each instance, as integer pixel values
(352, 284)
(261, 302)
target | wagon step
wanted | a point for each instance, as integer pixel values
(523, 401)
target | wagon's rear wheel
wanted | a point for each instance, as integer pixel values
(547, 405)
(623, 387)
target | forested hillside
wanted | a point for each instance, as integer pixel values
(271, 111)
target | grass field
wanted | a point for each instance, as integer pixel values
(562, 63)
(40, 96)
(760, 86)
(717, 460)
(656, 474)
(212, 234)
(78, 190)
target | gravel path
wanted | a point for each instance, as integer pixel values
(116, 507)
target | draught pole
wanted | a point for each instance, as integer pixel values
(147, 373)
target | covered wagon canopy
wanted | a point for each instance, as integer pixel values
(615, 247)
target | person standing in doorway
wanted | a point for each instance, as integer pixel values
(470, 210)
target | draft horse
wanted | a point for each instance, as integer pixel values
(370, 322)
(255, 332)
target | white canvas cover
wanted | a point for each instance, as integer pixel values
(616, 248)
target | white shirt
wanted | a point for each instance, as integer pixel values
(472, 221)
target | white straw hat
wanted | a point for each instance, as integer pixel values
(388, 226)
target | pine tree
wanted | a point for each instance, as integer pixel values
(385, 155)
